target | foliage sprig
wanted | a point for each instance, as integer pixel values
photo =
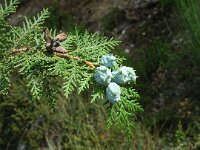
(23, 50)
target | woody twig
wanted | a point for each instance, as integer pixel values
(18, 50)
(53, 46)
(63, 55)
(90, 64)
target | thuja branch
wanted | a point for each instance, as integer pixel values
(90, 64)
(18, 50)
(45, 73)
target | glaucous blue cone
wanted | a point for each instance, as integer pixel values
(108, 60)
(113, 92)
(124, 75)
(103, 75)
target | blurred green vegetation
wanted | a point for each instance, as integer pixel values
(75, 124)
(60, 20)
(168, 84)
(168, 2)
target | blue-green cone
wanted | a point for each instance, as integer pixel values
(108, 60)
(124, 75)
(103, 75)
(113, 92)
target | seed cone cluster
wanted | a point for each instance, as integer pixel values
(113, 79)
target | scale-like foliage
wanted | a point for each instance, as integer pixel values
(49, 73)
(8, 8)
(30, 31)
(123, 113)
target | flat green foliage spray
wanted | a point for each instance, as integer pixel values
(50, 62)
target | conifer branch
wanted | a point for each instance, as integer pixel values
(90, 64)
(18, 50)
(45, 74)
(31, 27)
(8, 8)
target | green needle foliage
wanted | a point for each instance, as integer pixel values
(23, 51)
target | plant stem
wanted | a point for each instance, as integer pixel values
(63, 55)
(90, 64)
